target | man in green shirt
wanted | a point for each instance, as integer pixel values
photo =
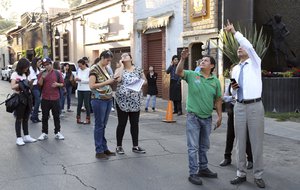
(204, 91)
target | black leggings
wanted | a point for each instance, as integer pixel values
(22, 113)
(134, 125)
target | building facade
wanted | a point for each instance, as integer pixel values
(92, 27)
(157, 27)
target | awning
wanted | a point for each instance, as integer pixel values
(157, 21)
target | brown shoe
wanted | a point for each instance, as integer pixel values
(101, 156)
(78, 119)
(87, 120)
(109, 153)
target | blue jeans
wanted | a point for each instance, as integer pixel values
(37, 101)
(101, 110)
(61, 99)
(148, 100)
(69, 93)
(197, 132)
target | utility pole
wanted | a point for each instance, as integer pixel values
(44, 31)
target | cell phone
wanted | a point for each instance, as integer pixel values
(233, 81)
(215, 126)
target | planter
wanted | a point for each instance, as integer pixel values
(281, 94)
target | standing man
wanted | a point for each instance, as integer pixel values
(50, 81)
(248, 110)
(204, 91)
(175, 86)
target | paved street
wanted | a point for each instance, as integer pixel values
(71, 164)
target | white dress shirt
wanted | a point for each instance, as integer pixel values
(33, 75)
(252, 83)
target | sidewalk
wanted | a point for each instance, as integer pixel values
(286, 129)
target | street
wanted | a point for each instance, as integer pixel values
(71, 163)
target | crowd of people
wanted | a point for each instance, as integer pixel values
(49, 86)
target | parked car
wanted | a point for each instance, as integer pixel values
(6, 72)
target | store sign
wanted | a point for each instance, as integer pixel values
(198, 8)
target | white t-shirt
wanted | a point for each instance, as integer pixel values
(33, 75)
(15, 76)
(83, 85)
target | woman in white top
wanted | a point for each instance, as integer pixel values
(83, 91)
(20, 84)
(34, 71)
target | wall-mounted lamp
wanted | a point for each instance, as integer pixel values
(82, 21)
(102, 38)
(123, 7)
(56, 35)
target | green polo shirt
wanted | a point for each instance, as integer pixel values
(202, 93)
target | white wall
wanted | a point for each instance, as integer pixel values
(3, 51)
(147, 8)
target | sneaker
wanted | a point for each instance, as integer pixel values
(69, 110)
(20, 141)
(43, 137)
(207, 173)
(238, 180)
(59, 136)
(195, 179)
(28, 139)
(120, 150)
(63, 111)
(112, 109)
(138, 150)
(153, 109)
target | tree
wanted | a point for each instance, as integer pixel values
(73, 3)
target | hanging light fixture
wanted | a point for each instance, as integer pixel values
(56, 35)
(82, 21)
(33, 19)
(123, 6)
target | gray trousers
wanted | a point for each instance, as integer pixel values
(251, 115)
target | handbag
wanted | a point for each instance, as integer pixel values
(12, 102)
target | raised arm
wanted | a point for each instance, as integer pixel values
(244, 43)
(180, 66)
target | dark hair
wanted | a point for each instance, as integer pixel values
(174, 57)
(82, 61)
(212, 61)
(96, 60)
(34, 63)
(56, 65)
(69, 70)
(106, 54)
(85, 58)
(23, 63)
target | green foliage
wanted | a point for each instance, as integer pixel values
(38, 51)
(23, 53)
(259, 41)
(289, 116)
(6, 24)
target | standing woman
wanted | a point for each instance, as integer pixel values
(101, 95)
(175, 86)
(20, 84)
(152, 88)
(128, 102)
(69, 78)
(83, 91)
(34, 71)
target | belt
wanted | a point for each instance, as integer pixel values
(249, 101)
